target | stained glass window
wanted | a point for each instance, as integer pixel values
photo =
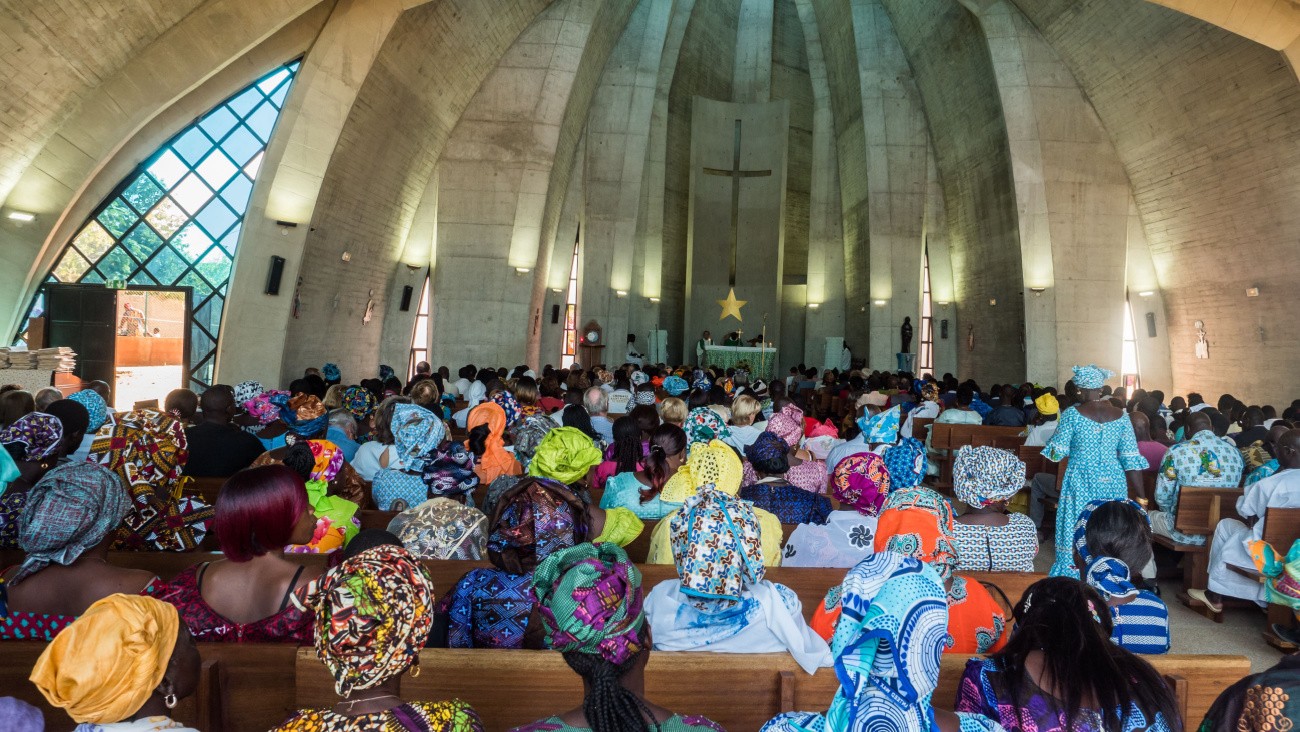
(927, 318)
(175, 220)
(570, 352)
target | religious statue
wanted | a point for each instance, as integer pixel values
(370, 309)
(1202, 345)
(906, 332)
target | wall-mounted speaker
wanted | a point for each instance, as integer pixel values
(943, 329)
(273, 277)
(555, 314)
(407, 292)
(1151, 325)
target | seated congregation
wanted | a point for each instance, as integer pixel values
(872, 536)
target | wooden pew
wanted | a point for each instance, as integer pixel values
(951, 437)
(510, 688)
(1199, 511)
(921, 428)
(205, 489)
(1281, 529)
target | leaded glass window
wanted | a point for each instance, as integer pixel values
(175, 220)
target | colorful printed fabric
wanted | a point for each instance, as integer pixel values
(147, 450)
(622, 527)
(336, 521)
(1253, 456)
(790, 504)
(700, 380)
(247, 390)
(639, 378)
(1100, 453)
(528, 433)
(305, 415)
(976, 622)
(882, 428)
(905, 463)
(331, 373)
(1107, 575)
(983, 692)
(590, 600)
(675, 385)
(534, 518)
(713, 463)
(1091, 377)
(95, 406)
(19, 625)
(982, 476)
(373, 615)
(69, 511)
(704, 425)
(489, 608)
(397, 490)
(359, 401)
(328, 460)
(39, 433)
(450, 471)
(675, 723)
(1141, 624)
(386, 372)
(441, 528)
(495, 460)
(862, 482)
(443, 716)
(265, 407)
(1263, 702)
(887, 645)
(291, 624)
(717, 546)
(509, 405)
(1008, 548)
(768, 453)
(917, 522)
(1264, 471)
(565, 454)
(787, 424)
(644, 397)
(1206, 460)
(416, 432)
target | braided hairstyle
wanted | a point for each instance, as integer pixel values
(666, 439)
(298, 458)
(1070, 624)
(608, 705)
(626, 450)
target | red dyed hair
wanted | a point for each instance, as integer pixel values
(257, 510)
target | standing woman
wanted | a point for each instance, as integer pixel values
(1104, 462)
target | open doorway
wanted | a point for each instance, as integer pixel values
(149, 356)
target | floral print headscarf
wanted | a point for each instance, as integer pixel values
(861, 481)
(717, 547)
(39, 433)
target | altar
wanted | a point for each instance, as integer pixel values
(762, 361)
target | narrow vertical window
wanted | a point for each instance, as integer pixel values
(570, 351)
(175, 220)
(925, 361)
(1129, 367)
(420, 337)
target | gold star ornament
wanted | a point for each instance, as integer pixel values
(731, 306)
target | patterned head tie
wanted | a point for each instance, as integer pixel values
(331, 373)
(861, 481)
(675, 385)
(68, 512)
(373, 615)
(359, 401)
(1047, 405)
(40, 435)
(717, 546)
(96, 408)
(906, 463)
(917, 522)
(1109, 576)
(713, 463)
(882, 428)
(982, 476)
(704, 425)
(590, 600)
(1091, 377)
(787, 424)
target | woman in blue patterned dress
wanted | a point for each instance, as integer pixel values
(1104, 459)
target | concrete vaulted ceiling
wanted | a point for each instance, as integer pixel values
(1075, 148)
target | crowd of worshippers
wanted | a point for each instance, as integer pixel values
(549, 477)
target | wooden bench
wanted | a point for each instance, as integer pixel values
(1281, 529)
(951, 437)
(205, 489)
(921, 428)
(1198, 512)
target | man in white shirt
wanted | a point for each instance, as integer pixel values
(596, 402)
(1232, 537)
(620, 398)
(466, 375)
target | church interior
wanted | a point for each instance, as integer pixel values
(859, 199)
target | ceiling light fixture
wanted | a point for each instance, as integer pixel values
(621, 293)
(1146, 293)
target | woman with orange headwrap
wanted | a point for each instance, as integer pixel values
(487, 427)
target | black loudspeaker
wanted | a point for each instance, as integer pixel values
(943, 329)
(555, 314)
(273, 277)
(1151, 325)
(407, 291)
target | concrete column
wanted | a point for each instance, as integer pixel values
(752, 69)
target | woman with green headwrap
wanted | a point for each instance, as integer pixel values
(567, 455)
(589, 600)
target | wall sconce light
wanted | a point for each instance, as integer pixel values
(521, 270)
(621, 293)
(1252, 292)
(942, 302)
(654, 299)
(1038, 290)
(993, 301)
(879, 303)
(556, 290)
(814, 305)
(413, 267)
(21, 216)
(1146, 293)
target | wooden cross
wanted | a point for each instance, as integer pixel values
(736, 174)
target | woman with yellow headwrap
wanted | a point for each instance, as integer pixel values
(712, 463)
(373, 615)
(120, 667)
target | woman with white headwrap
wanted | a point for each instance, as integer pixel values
(1098, 439)
(989, 537)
